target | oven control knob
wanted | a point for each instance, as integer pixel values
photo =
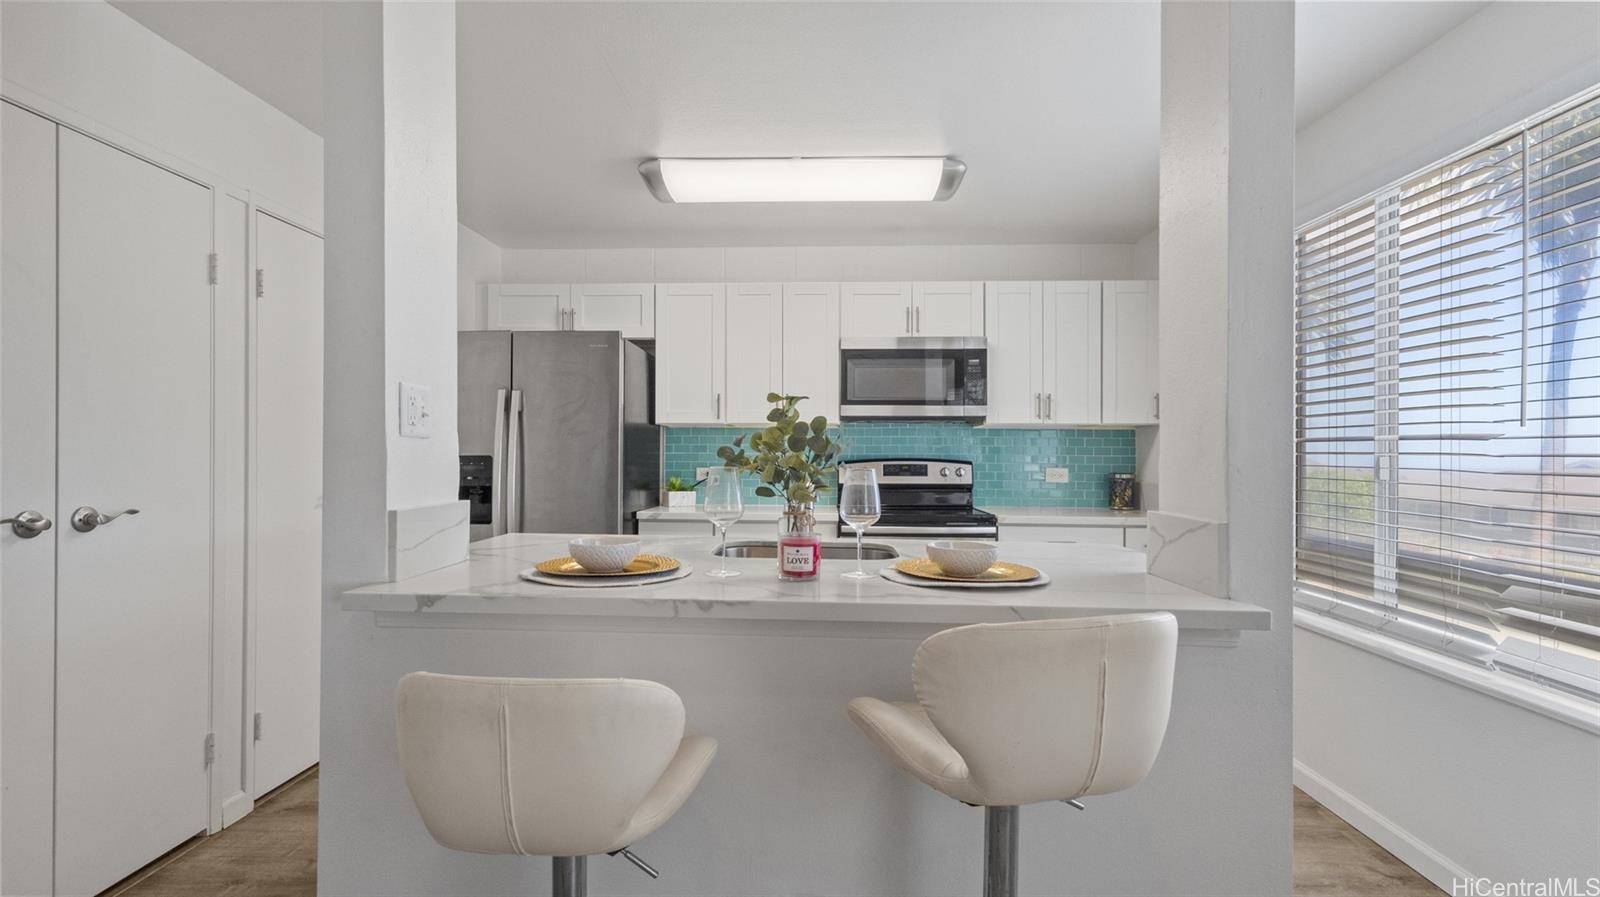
(944, 471)
(961, 472)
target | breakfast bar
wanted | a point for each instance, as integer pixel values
(796, 801)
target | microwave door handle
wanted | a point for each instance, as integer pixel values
(514, 465)
(497, 463)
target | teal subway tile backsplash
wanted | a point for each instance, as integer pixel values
(1009, 464)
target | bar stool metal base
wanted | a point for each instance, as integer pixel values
(569, 876)
(1000, 852)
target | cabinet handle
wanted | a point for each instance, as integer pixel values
(1158, 406)
(918, 328)
(908, 319)
(719, 406)
(1049, 406)
(1038, 409)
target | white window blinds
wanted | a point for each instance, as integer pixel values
(1448, 405)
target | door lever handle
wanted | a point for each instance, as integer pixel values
(28, 524)
(87, 519)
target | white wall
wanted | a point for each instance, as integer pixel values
(825, 263)
(1461, 783)
(1503, 64)
(477, 264)
(420, 236)
(87, 60)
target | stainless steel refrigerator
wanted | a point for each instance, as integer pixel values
(557, 432)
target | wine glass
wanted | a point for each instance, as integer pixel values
(860, 507)
(724, 505)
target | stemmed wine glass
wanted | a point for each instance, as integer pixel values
(724, 504)
(860, 507)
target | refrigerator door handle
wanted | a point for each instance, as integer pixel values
(497, 519)
(514, 464)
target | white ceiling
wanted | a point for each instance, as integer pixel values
(1054, 107)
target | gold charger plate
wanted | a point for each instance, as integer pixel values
(1002, 571)
(641, 565)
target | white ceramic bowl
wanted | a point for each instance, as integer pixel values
(963, 557)
(604, 554)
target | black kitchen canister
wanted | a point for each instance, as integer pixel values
(1124, 495)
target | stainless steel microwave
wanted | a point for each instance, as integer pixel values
(913, 378)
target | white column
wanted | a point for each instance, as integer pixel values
(390, 316)
(1226, 243)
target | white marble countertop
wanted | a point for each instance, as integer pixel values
(1085, 580)
(1014, 516)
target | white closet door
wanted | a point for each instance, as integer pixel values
(134, 595)
(755, 350)
(27, 483)
(691, 353)
(286, 527)
(1013, 325)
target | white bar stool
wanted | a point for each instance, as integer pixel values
(1017, 713)
(564, 768)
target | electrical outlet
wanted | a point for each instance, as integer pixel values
(701, 473)
(416, 416)
(1056, 475)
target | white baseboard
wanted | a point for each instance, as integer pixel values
(236, 808)
(1409, 849)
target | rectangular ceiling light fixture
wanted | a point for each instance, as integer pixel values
(858, 179)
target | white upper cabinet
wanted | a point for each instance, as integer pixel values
(529, 306)
(755, 351)
(811, 347)
(691, 353)
(949, 308)
(1013, 323)
(874, 309)
(629, 308)
(1129, 345)
(1072, 357)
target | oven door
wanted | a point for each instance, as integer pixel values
(913, 378)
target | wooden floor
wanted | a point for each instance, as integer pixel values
(273, 853)
(270, 853)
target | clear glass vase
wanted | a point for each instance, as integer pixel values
(799, 546)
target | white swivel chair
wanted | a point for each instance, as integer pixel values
(563, 768)
(1017, 713)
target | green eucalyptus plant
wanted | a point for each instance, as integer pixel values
(793, 457)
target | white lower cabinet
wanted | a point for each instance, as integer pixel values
(1125, 536)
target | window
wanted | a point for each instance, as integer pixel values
(1447, 405)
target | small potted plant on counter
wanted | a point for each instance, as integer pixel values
(680, 493)
(793, 460)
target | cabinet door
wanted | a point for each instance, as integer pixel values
(528, 306)
(1013, 326)
(629, 308)
(1129, 341)
(1072, 352)
(951, 308)
(811, 347)
(691, 347)
(754, 350)
(875, 309)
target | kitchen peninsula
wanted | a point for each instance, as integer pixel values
(796, 801)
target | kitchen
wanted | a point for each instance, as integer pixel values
(796, 448)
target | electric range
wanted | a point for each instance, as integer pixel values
(925, 498)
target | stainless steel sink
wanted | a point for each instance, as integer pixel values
(870, 551)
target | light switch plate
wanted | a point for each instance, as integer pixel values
(1056, 475)
(416, 420)
(701, 473)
